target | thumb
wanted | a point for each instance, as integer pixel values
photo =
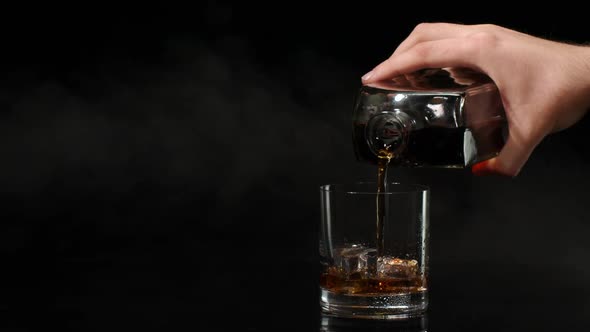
(509, 161)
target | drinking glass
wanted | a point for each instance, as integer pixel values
(374, 250)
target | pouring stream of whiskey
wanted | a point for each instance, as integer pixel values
(384, 157)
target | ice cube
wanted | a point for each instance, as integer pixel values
(350, 260)
(368, 261)
(392, 267)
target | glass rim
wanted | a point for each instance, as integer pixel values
(370, 188)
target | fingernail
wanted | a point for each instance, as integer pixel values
(482, 169)
(367, 76)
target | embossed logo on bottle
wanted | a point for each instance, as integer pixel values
(388, 131)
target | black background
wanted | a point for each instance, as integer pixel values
(160, 169)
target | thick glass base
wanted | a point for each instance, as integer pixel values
(393, 306)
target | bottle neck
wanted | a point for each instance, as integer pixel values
(388, 131)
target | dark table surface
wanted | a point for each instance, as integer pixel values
(494, 298)
(486, 296)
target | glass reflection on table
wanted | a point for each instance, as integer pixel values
(337, 324)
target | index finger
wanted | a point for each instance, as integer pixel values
(431, 31)
(450, 52)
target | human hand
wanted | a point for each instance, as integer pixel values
(544, 84)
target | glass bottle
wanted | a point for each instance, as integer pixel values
(441, 117)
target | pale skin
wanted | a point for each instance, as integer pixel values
(544, 84)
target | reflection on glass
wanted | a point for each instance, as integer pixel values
(337, 324)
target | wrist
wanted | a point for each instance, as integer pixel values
(584, 59)
(583, 76)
